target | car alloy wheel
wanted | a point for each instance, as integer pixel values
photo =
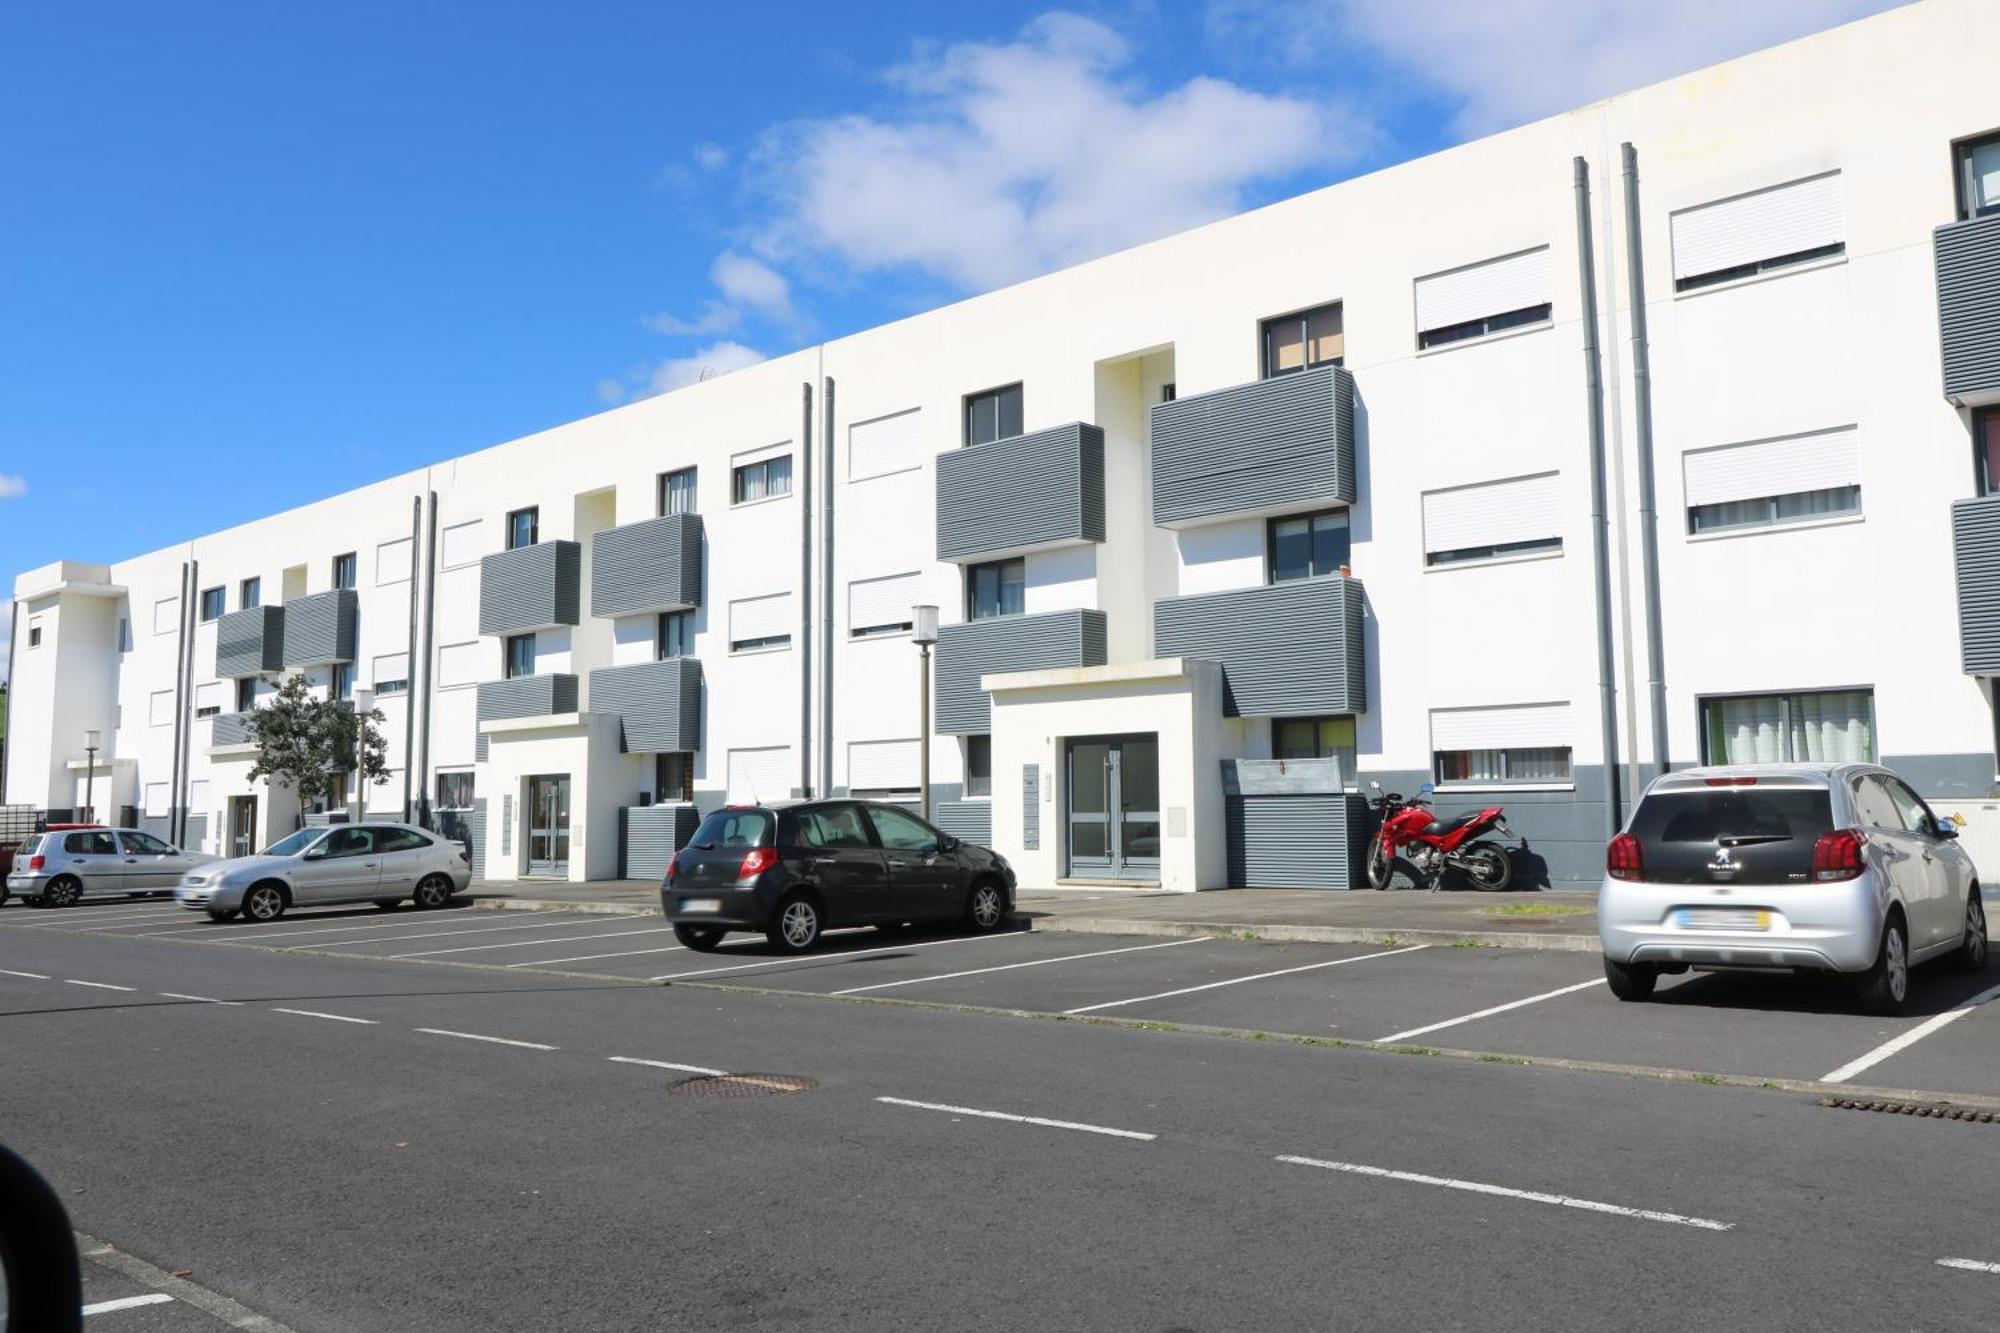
(433, 892)
(64, 892)
(987, 909)
(1972, 953)
(264, 903)
(797, 928)
(1896, 965)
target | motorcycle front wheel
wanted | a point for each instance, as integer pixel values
(1380, 867)
(1488, 865)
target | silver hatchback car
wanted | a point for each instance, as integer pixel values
(1787, 867)
(62, 868)
(341, 863)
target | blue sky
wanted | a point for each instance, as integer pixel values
(256, 253)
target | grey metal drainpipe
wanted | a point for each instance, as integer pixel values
(805, 591)
(826, 595)
(1649, 518)
(1600, 528)
(13, 637)
(174, 770)
(410, 667)
(423, 805)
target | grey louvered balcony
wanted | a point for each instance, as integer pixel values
(250, 643)
(1975, 540)
(1278, 445)
(1968, 288)
(1288, 649)
(976, 648)
(1024, 493)
(319, 630)
(231, 729)
(530, 588)
(527, 696)
(649, 566)
(658, 704)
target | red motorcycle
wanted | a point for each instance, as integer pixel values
(1409, 830)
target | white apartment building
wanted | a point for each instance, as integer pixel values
(1655, 433)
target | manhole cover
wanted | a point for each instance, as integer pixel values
(1924, 1110)
(740, 1085)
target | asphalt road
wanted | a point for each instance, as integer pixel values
(380, 1142)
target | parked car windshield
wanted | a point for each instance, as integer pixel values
(728, 829)
(293, 844)
(1703, 815)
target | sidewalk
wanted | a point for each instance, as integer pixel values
(1560, 920)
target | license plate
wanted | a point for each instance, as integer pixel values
(701, 904)
(1722, 918)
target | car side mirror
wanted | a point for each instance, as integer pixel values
(1944, 828)
(314, 854)
(948, 843)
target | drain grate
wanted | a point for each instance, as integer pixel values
(741, 1085)
(1926, 1110)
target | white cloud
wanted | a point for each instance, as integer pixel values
(715, 317)
(1001, 160)
(1506, 64)
(711, 157)
(677, 372)
(744, 281)
(12, 487)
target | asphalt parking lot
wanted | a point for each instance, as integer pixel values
(1538, 1005)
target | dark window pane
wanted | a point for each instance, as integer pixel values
(1329, 543)
(1291, 549)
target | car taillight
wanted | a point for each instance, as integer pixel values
(673, 869)
(1729, 782)
(1837, 855)
(756, 861)
(37, 862)
(1622, 859)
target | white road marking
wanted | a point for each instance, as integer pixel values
(32, 976)
(836, 957)
(1970, 1265)
(1020, 1119)
(198, 999)
(665, 1064)
(530, 944)
(1910, 1038)
(314, 1013)
(97, 985)
(590, 957)
(1008, 967)
(1496, 1009)
(1238, 981)
(1530, 1196)
(128, 1303)
(96, 919)
(542, 921)
(497, 1041)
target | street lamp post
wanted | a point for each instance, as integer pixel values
(90, 749)
(364, 703)
(924, 630)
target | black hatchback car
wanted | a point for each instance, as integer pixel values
(794, 870)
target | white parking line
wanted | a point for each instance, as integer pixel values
(1910, 1038)
(1970, 1265)
(836, 957)
(1238, 981)
(314, 1013)
(31, 976)
(426, 935)
(665, 1064)
(497, 1041)
(530, 944)
(591, 957)
(97, 919)
(198, 999)
(243, 931)
(97, 985)
(1530, 1196)
(1496, 1009)
(1008, 967)
(127, 1303)
(1021, 1119)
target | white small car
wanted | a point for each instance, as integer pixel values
(340, 863)
(1788, 867)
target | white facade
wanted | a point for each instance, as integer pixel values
(1813, 375)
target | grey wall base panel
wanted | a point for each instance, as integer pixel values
(1292, 841)
(1565, 831)
(649, 835)
(1947, 776)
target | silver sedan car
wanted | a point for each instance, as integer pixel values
(62, 868)
(1836, 868)
(342, 863)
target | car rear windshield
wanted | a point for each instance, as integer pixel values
(1705, 815)
(726, 830)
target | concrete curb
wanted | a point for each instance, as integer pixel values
(563, 905)
(1485, 939)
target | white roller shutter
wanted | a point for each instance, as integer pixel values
(459, 544)
(160, 708)
(1781, 220)
(198, 795)
(1797, 463)
(761, 775)
(882, 765)
(460, 663)
(760, 618)
(156, 799)
(874, 603)
(783, 449)
(1493, 513)
(167, 615)
(392, 561)
(208, 696)
(391, 666)
(884, 445)
(1478, 291)
(1511, 726)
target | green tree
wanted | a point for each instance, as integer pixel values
(303, 741)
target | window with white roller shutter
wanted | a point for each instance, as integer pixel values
(760, 624)
(883, 769)
(1493, 520)
(208, 699)
(1510, 292)
(760, 774)
(1767, 483)
(392, 561)
(1766, 229)
(160, 708)
(392, 673)
(459, 664)
(459, 544)
(885, 445)
(1512, 744)
(167, 615)
(881, 606)
(157, 800)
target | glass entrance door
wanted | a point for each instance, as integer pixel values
(1114, 807)
(548, 825)
(242, 825)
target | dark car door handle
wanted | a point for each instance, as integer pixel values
(826, 860)
(897, 865)
(131, 860)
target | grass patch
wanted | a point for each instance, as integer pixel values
(1465, 944)
(1501, 1060)
(1414, 1050)
(1709, 1079)
(1539, 909)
